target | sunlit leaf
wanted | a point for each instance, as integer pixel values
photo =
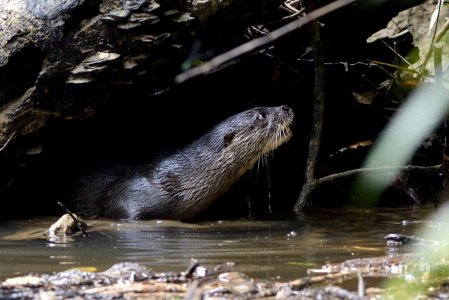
(425, 109)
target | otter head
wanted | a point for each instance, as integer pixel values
(200, 173)
(250, 134)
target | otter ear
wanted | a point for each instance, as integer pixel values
(227, 140)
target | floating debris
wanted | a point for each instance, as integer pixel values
(292, 234)
(66, 225)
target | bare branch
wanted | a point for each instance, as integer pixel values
(318, 119)
(7, 142)
(408, 168)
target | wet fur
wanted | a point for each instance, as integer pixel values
(183, 184)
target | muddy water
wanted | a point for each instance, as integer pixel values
(268, 249)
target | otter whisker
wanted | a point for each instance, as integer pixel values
(258, 165)
(265, 160)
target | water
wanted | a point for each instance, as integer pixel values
(269, 249)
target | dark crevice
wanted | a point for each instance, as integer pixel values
(20, 73)
(88, 10)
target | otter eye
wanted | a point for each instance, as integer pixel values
(228, 138)
(261, 116)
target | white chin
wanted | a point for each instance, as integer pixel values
(273, 144)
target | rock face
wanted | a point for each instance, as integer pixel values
(62, 60)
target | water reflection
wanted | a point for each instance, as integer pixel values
(281, 249)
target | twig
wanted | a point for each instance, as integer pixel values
(294, 15)
(408, 168)
(398, 55)
(361, 286)
(7, 142)
(318, 119)
(288, 5)
(395, 67)
(77, 222)
(260, 42)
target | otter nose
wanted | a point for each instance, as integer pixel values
(286, 109)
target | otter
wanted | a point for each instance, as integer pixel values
(185, 183)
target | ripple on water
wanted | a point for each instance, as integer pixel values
(262, 249)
